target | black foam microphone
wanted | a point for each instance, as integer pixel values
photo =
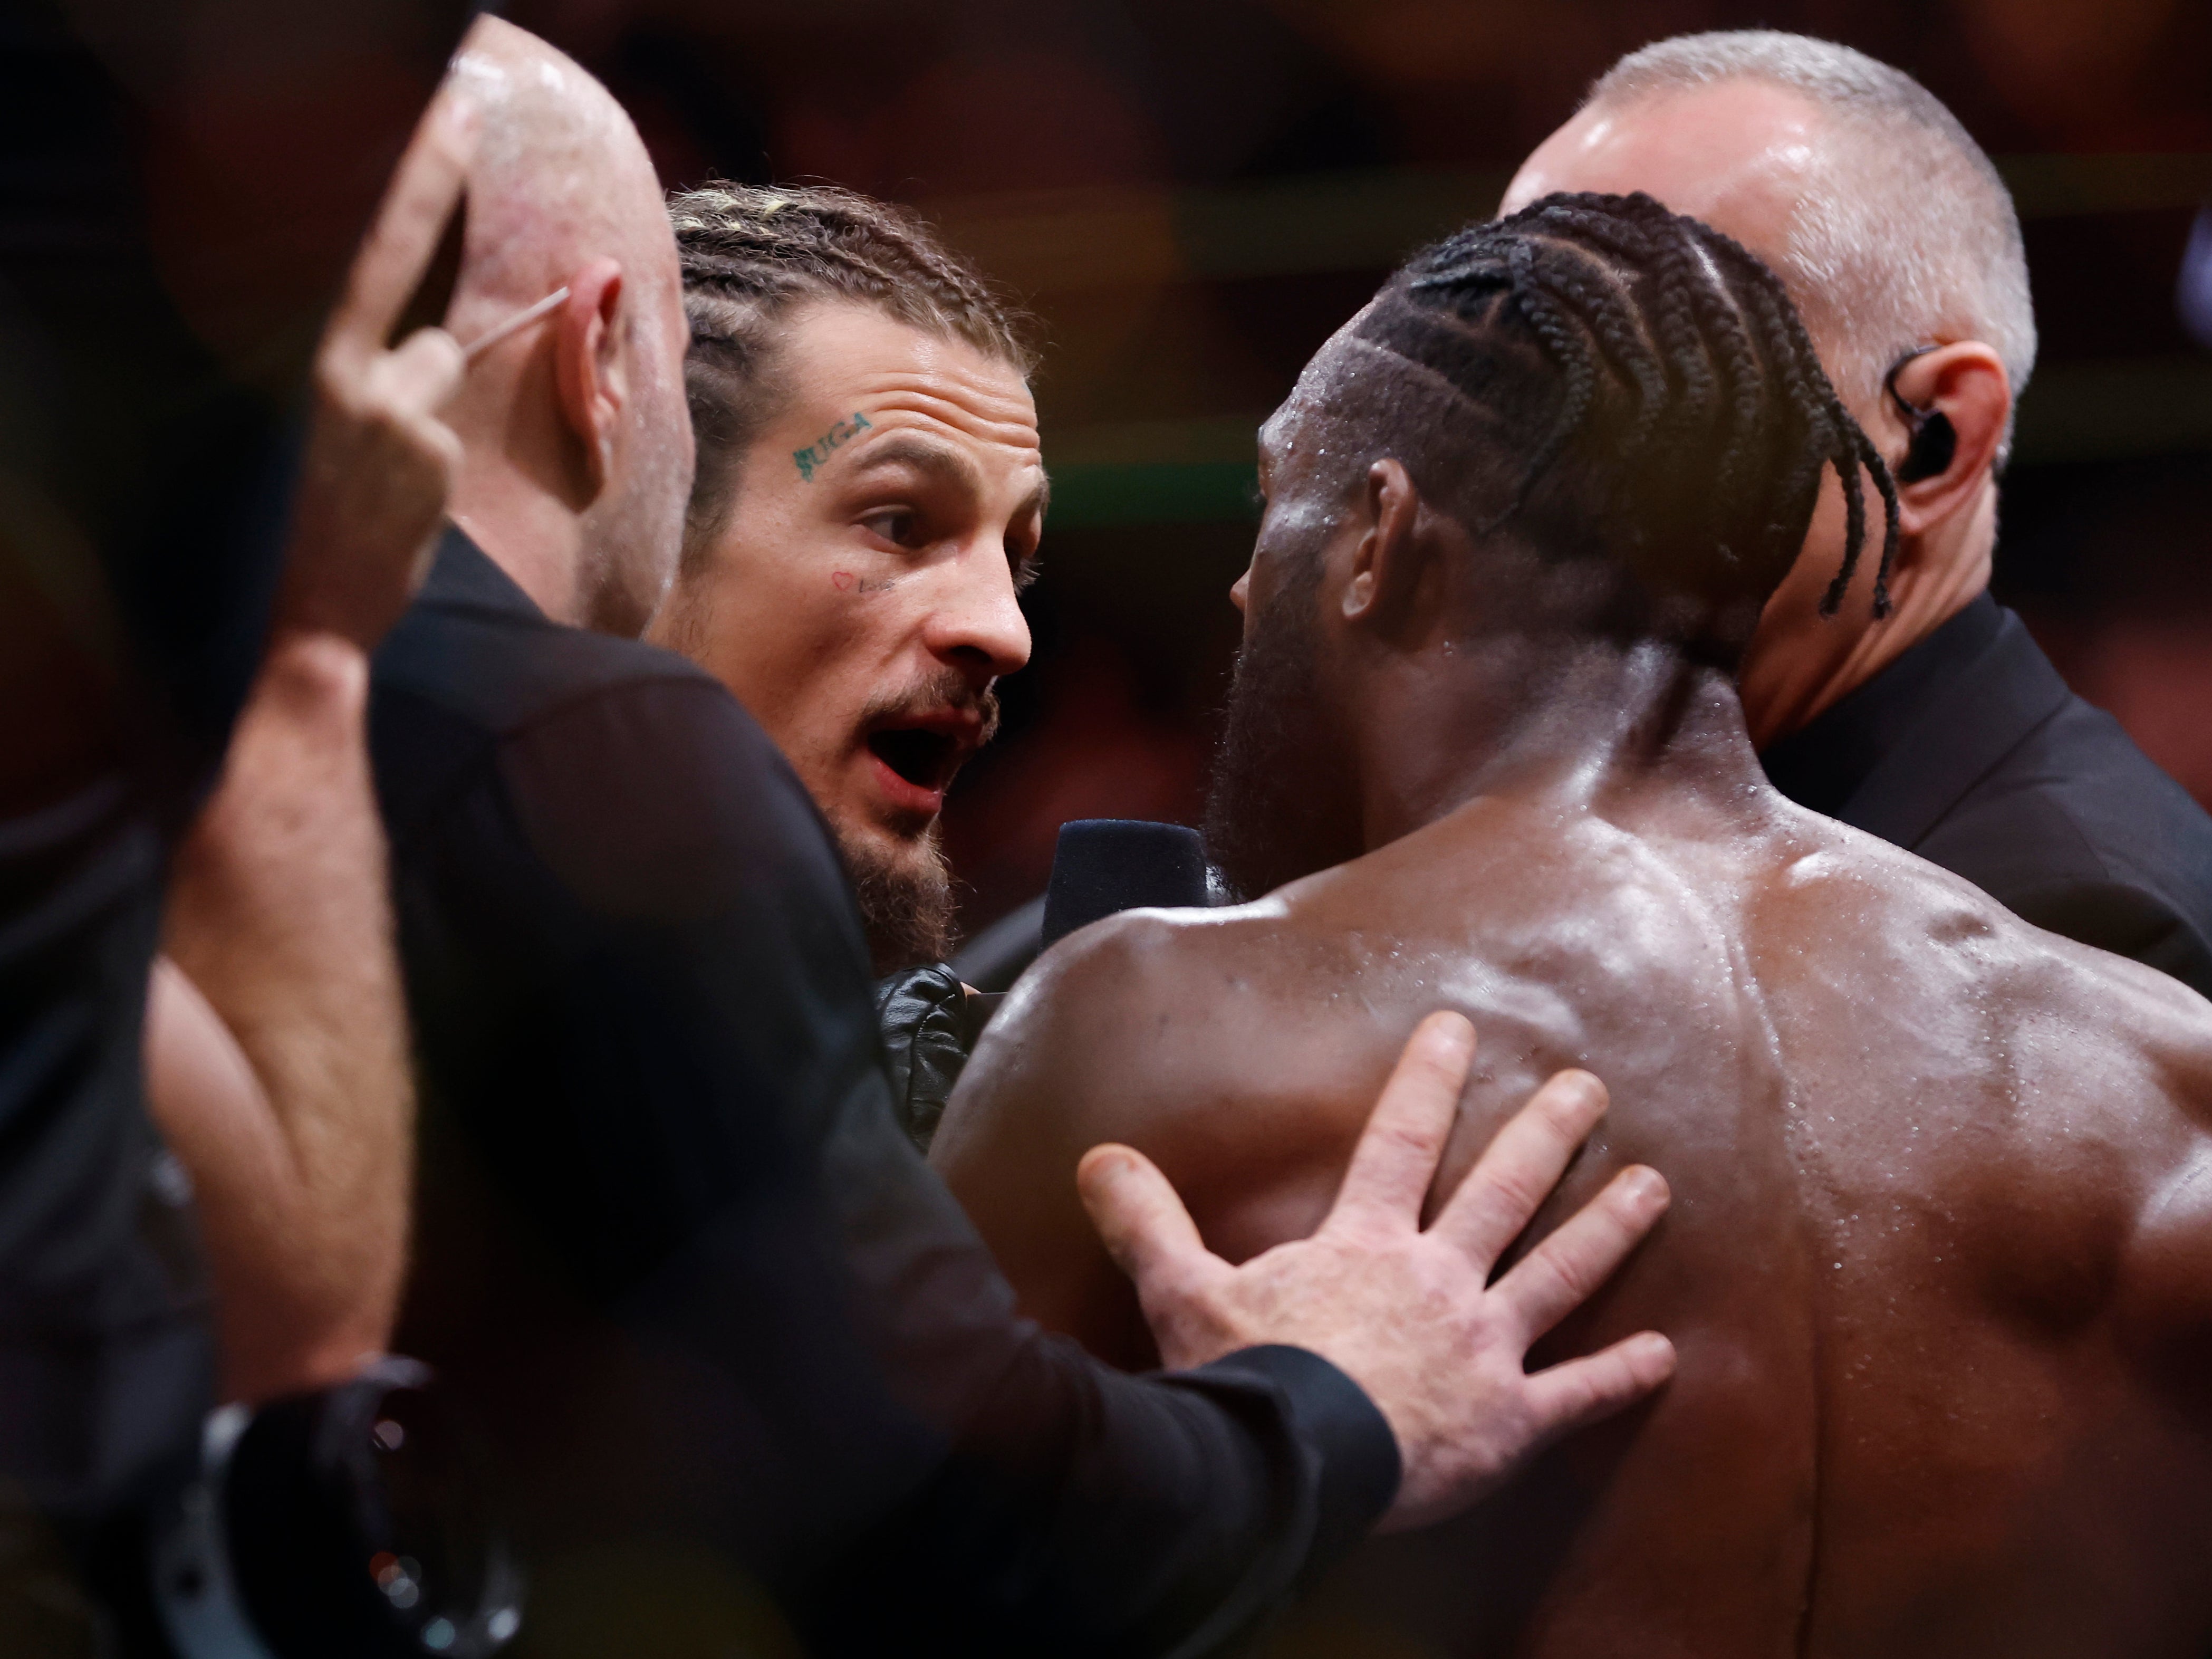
(1105, 866)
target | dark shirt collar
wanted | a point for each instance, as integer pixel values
(463, 576)
(1824, 764)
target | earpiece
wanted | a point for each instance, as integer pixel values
(1933, 443)
(1934, 440)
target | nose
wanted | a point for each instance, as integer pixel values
(1240, 588)
(977, 624)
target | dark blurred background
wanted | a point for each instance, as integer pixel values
(1193, 193)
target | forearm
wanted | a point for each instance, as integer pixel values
(1094, 1514)
(1080, 1511)
(300, 1148)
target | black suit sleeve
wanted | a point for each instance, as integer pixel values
(640, 981)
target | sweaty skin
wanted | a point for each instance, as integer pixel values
(1939, 1266)
(1939, 1263)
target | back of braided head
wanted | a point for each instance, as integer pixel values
(1641, 390)
(751, 254)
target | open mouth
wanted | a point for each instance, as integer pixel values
(924, 758)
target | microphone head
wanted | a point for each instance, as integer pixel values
(1105, 866)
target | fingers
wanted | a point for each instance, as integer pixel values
(1581, 1391)
(1522, 1164)
(1559, 1275)
(421, 375)
(1140, 1217)
(403, 238)
(1397, 1157)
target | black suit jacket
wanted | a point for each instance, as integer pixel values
(676, 1243)
(1970, 750)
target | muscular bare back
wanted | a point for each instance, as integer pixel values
(1938, 1267)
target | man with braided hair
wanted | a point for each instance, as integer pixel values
(1939, 1259)
(1923, 713)
(869, 476)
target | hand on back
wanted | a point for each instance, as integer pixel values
(1408, 1312)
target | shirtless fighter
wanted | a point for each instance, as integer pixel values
(1939, 1265)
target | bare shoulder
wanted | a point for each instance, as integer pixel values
(1118, 1033)
(2064, 1006)
(2058, 1096)
(1097, 1031)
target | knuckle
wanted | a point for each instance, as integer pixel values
(1561, 1114)
(1564, 1281)
(1623, 1214)
(1516, 1194)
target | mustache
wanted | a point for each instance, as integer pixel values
(947, 689)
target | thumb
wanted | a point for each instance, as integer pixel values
(1140, 1218)
(423, 371)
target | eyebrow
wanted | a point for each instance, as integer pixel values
(938, 461)
(943, 463)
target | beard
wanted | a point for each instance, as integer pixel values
(904, 883)
(905, 896)
(1264, 825)
(633, 541)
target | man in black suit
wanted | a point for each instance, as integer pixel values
(673, 1239)
(1907, 703)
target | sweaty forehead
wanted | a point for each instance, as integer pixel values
(1737, 154)
(842, 359)
(1321, 386)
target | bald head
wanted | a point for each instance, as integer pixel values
(560, 176)
(576, 444)
(1888, 224)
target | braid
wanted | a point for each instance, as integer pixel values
(776, 244)
(1740, 374)
(1627, 348)
(1812, 390)
(1629, 239)
(750, 253)
(1569, 351)
(1693, 400)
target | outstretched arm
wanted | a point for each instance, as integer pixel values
(276, 1043)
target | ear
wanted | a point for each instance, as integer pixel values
(1388, 560)
(1963, 385)
(588, 367)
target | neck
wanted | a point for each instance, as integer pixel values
(1801, 665)
(518, 492)
(1631, 733)
(542, 549)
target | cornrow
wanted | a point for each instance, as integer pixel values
(751, 254)
(1557, 332)
(1686, 367)
(1672, 315)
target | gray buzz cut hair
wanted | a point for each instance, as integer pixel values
(1907, 234)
